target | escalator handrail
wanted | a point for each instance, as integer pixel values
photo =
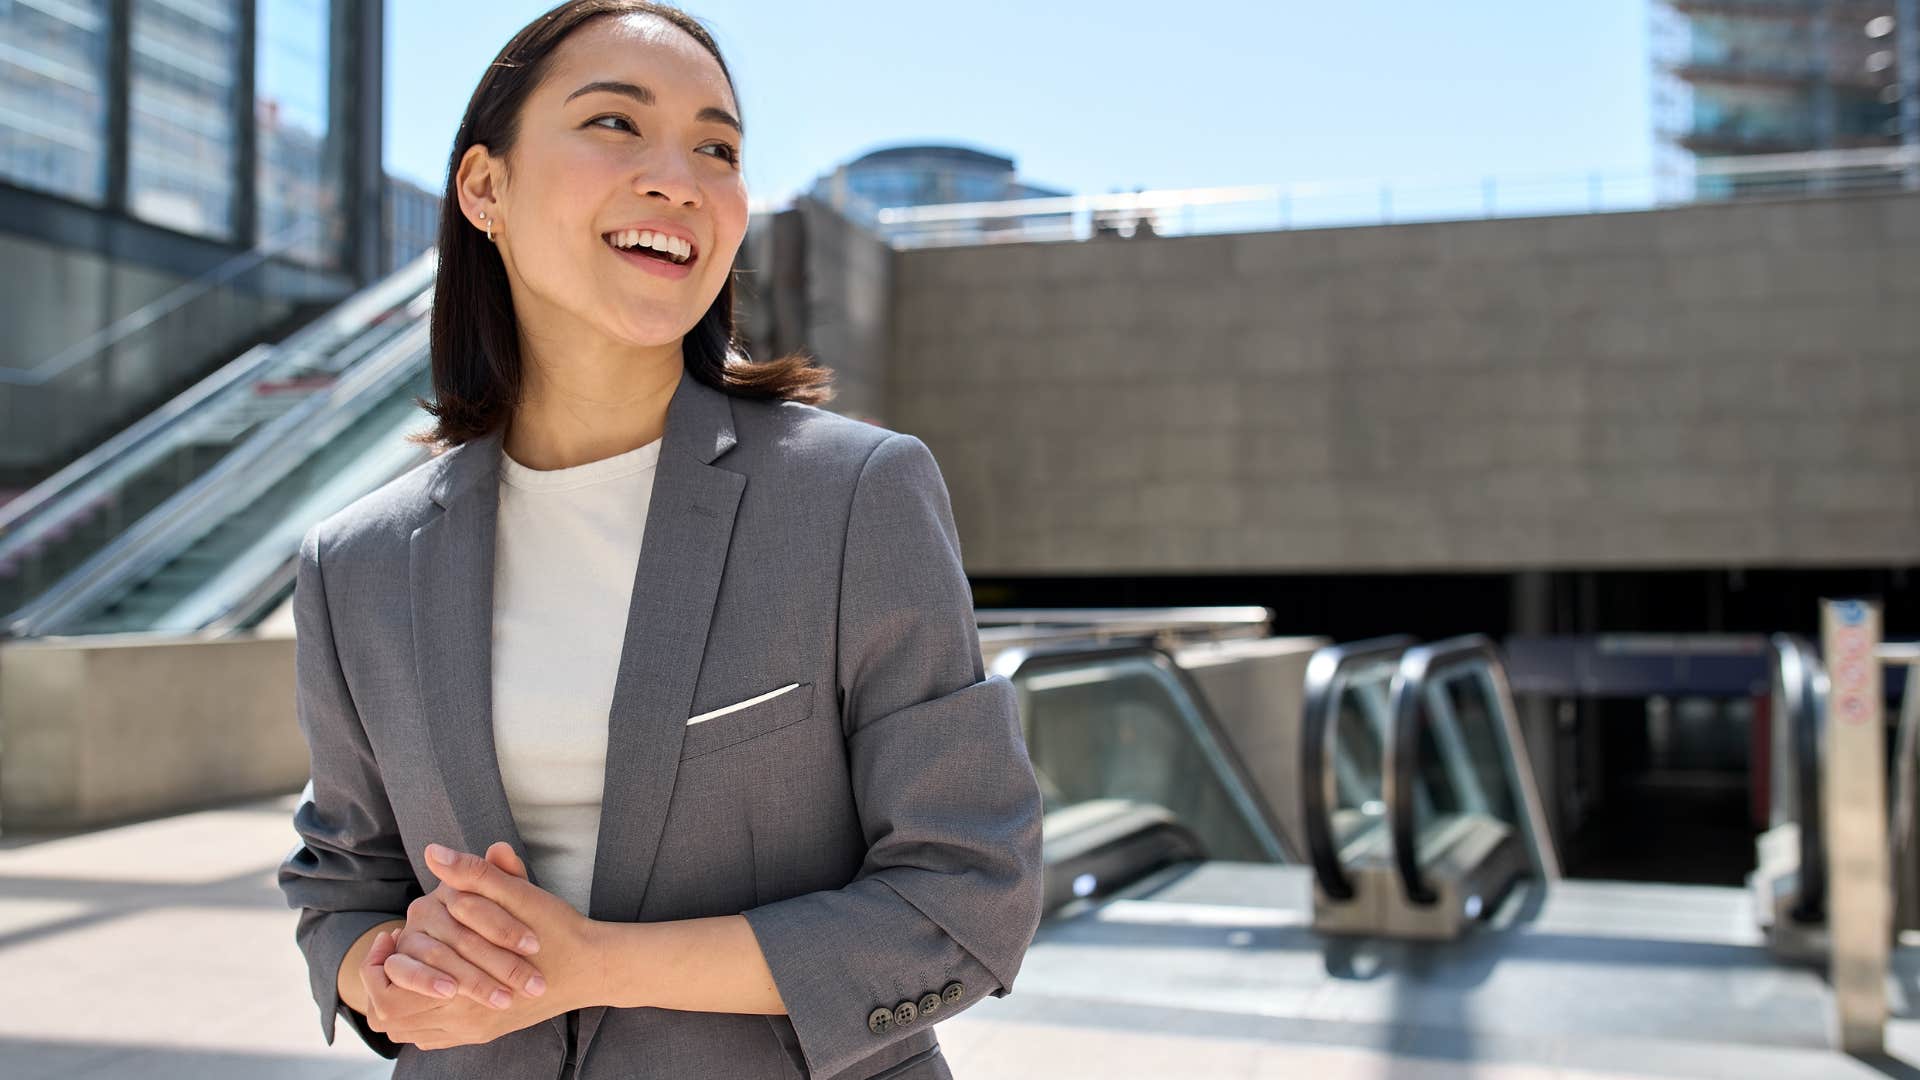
(266, 453)
(45, 508)
(1319, 742)
(1421, 663)
(1802, 683)
(1237, 778)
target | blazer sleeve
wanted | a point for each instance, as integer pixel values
(349, 873)
(950, 890)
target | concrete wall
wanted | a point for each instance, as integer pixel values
(820, 284)
(849, 275)
(103, 729)
(1718, 385)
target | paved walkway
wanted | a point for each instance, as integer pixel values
(164, 950)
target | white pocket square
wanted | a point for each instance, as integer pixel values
(741, 704)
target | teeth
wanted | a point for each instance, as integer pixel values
(680, 250)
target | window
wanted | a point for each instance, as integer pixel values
(181, 139)
(53, 96)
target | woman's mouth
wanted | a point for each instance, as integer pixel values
(638, 250)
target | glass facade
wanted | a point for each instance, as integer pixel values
(933, 175)
(181, 131)
(299, 193)
(413, 222)
(53, 96)
(1780, 77)
(188, 160)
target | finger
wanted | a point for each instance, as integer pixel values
(501, 854)
(488, 919)
(471, 873)
(444, 962)
(408, 971)
(373, 970)
(449, 923)
(426, 1038)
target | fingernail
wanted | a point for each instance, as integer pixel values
(529, 944)
(536, 986)
(501, 999)
(443, 987)
(439, 854)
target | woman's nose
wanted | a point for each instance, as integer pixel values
(670, 177)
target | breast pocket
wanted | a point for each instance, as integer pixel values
(746, 719)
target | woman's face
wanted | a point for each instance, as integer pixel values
(593, 158)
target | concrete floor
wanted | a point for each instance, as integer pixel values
(164, 949)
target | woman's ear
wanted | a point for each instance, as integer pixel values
(477, 183)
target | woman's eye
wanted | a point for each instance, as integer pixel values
(727, 153)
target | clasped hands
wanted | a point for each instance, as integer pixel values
(484, 954)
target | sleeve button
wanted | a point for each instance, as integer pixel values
(879, 1020)
(905, 1013)
(929, 1004)
(952, 992)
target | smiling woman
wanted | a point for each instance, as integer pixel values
(649, 728)
(605, 126)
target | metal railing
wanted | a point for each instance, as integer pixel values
(1269, 207)
(1002, 629)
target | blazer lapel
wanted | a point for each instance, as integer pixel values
(683, 550)
(676, 581)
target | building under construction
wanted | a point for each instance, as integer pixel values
(1740, 77)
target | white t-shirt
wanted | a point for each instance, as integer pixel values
(567, 544)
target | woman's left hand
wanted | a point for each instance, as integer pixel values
(569, 957)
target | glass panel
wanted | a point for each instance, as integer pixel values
(1124, 728)
(181, 137)
(1475, 716)
(53, 97)
(1359, 749)
(1463, 767)
(299, 195)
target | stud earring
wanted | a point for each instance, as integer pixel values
(483, 217)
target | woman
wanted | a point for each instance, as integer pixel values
(679, 669)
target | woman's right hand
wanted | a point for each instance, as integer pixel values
(438, 955)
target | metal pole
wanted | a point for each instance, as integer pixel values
(1824, 105)
(1853, 791)
(1907, 40)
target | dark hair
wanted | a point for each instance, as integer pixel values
(474, 338)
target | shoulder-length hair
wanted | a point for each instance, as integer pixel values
(474, 340)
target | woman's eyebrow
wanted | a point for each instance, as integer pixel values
(644, 96)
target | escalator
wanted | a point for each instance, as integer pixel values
(1426, 911)
(1420, 815)
(1134, 770)
(1789, 880)
(1421, 810)
(189, 521)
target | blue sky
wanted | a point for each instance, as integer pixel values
(1100, 96)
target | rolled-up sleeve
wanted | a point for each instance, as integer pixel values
(949, 896)
(349, 872)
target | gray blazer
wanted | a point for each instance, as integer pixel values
(878, 825)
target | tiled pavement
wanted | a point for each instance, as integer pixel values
(164, 950)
